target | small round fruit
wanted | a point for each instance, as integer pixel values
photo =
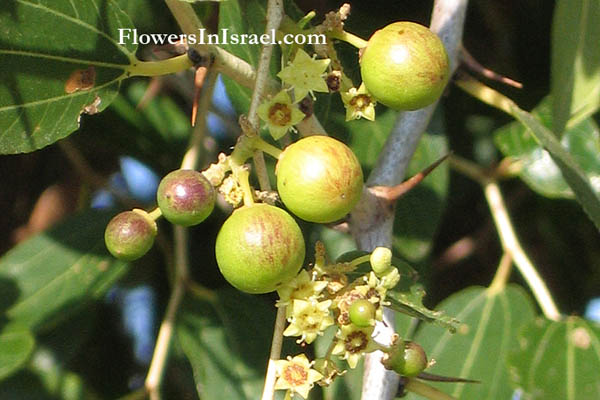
(319, 179)
(259, 247)
(362, 313)
(415, 359)
(405, 66)
(185, 197)
(130, 234)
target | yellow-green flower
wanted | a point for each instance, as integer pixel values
(280, 114)
(296, 375)
(305, 74)
(353, 342)
(299, 288)
(308, 319)
(358, 104)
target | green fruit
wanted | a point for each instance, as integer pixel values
(405, 66)
(362, 313)
(415, 359)
(185, 197)
(259, 247)
(406, 358)
(130, 234)
(319, 179)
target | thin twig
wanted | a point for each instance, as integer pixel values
(165, 333)
(511, 245)
(268, 392)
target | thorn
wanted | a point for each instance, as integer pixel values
(393, 193)
(198, 82)
(470, 62)
(439, 378)
(151, 91)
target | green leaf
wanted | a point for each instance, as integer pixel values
(575, 68)
(557, 360)
(16, 345)
(227, 343)
(478, 350)
(58, 271)
(538, 169)
(44, 45)
(411, 303)
(571, 170)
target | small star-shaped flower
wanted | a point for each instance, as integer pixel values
(358, 104)
(299, 288)
(309, 319)
(305, 74)
(353, 342)
(296, 375)
(280, 114)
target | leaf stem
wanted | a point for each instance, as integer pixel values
(502, 274)
(162, 67)
(423, 389)
(350, 38)
(511, 246)
(262, 145)
(360, 260)
(508, 238)
(155, 214)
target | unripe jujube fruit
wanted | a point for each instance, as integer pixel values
(319, 179)
(259, 247)
(405, 66)
(185, 197)
(130, 234)
(406, 358)
(362, 313)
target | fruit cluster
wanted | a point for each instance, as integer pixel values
(260, 247)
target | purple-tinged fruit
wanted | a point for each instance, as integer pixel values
(185, 197)
(130, 234)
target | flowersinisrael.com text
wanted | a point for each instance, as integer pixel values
(224, 37)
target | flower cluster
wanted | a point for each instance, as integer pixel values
(326, 296)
